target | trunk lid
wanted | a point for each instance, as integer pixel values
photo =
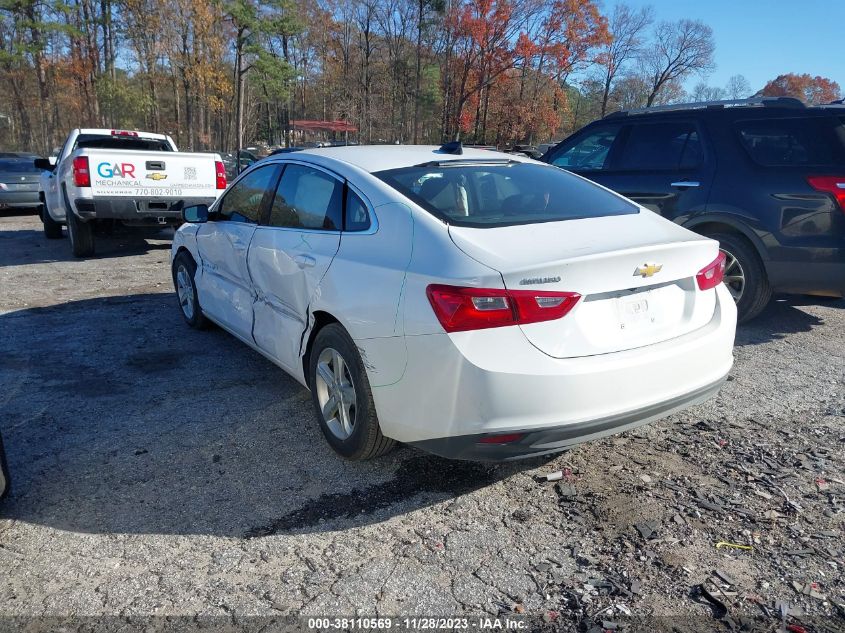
(635, 273)
(19, 182)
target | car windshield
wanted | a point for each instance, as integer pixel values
(503, 193)
(17, 165)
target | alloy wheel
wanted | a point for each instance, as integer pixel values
(185, 290)
(336, 393)
(734, 276)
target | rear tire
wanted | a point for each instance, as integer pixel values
(352, 428)
(752, 292)
(52, 229)
(81, 233)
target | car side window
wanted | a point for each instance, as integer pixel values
(307, 198)
(243, 201)
(784, 142)
(590, 152)
(357, 215)
(661, 146)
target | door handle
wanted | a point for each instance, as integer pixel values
(684, 184)
(304, 261)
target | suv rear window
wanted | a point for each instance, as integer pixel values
(503, 193)
(791, 142)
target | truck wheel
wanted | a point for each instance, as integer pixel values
(745, 275)
(52, 229)
(184, 272)
(343, 400)
(81, 235)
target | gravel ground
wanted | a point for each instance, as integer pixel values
(160, 471)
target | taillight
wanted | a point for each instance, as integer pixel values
(123, 133)
(460, 309)
(220, 169)
(834, 185)
(711, 275)
(81, 175)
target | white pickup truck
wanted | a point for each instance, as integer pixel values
(136, 178)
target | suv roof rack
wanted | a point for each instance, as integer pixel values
(787, 102)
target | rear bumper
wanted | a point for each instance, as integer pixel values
(19, 200)
(128, 209)
(558, 438)
(455, 389)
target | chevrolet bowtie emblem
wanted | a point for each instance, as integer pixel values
(647, 270)
(157, 176)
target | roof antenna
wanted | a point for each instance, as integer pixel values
(453, 147)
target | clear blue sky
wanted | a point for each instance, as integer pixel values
(762, 39)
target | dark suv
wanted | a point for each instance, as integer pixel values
(764, 176)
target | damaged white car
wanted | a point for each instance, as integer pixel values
(474, 304)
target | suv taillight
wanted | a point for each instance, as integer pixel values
(460, 308)
(81, 175)
(220, 170)
(711, 275)
(834, 185)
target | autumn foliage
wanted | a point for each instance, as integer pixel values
(216, 74)
(815, 90)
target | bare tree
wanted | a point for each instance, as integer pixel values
(627, 28)
(678, 50)
(738, 88)
(703, 92)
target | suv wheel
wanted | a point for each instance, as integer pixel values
(342, 397)
(745, 276)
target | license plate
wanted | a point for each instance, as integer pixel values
(637, 311)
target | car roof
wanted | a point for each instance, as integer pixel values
(373, 158)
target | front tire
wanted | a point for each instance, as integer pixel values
(52, 229)
(343, 400)
(81, 235)
(184, 273)
(745, 275)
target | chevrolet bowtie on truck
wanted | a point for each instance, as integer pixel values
(135, 178)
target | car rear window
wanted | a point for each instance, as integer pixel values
(503, 193)
(18, 165)
(102, 141)
(791, 142)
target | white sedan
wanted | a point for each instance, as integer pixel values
(477, 305)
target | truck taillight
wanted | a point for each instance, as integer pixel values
(711, 275)
(220, 169)
(460, 309)
(81, 175)
(834, 185)
(123, 133)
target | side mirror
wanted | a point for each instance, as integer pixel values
(44, 164)
(197, 213)
(4, 471)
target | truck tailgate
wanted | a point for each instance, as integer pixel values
(131, 174)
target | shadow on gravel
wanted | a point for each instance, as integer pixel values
(26, 246)
(118, 418)
(783, 317)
